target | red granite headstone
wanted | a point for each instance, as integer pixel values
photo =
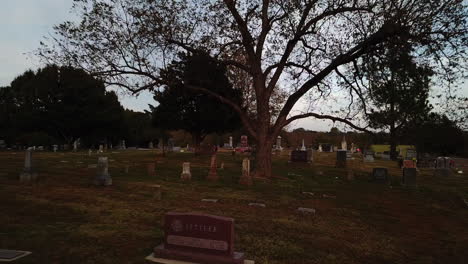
(244, 142)
(213, 175)
(409, 164)
(199, 238)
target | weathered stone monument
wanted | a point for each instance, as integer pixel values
(442, 167)
(380, 175)
(369, 156)
(28, 174)
(303, 147)
(409, 164)
(198, 238)
(244, 142)
(102, 176)
(310, 155)
(231, 145)
(409, 177)
(344, 145)
(341, 158)
(299, 156)
(150, 145)
(246, 179)
(75, 145)
(186, 175)
(101, 149)
(55, 147)
(320, 148)
(213, 175)
(278, 143)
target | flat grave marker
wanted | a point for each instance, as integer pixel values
(7, 255)
(304, 210)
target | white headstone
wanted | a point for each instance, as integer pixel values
(320, 148)
(28, 173)
(278, 143)
(245, 178)
(303, 148)
(102, 176)
(186, 175)
(344, 145)
(230, 142)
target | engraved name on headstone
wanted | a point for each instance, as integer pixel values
(199, 238)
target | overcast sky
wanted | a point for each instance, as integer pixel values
(23, 23)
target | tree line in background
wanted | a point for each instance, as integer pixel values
(57, 105)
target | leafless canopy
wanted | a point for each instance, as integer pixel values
(295, 45)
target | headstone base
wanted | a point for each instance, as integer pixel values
(102, 181)
(186, 176)
(442, 172)
(162, 252)
(246, 180)
(28, 176)
(152, 258)
(213, 176)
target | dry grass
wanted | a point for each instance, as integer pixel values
(63, 219)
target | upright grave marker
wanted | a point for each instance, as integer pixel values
(369, 156)
(341, 158)
(186, 175)
(213, 175)
(246, 179)
(28, 173)
(344, 145)
(442, 167)
(380, 175)
(103, 177)
(278, 143)
(303, 147)
(409, 164)
(299, 156)
(199, 238)
(409, 177)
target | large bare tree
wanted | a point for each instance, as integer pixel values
(298, 46)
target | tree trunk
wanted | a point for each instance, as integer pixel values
(393, 152)
(263, 157)
(197, 138)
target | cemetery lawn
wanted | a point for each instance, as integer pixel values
(64, 219)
